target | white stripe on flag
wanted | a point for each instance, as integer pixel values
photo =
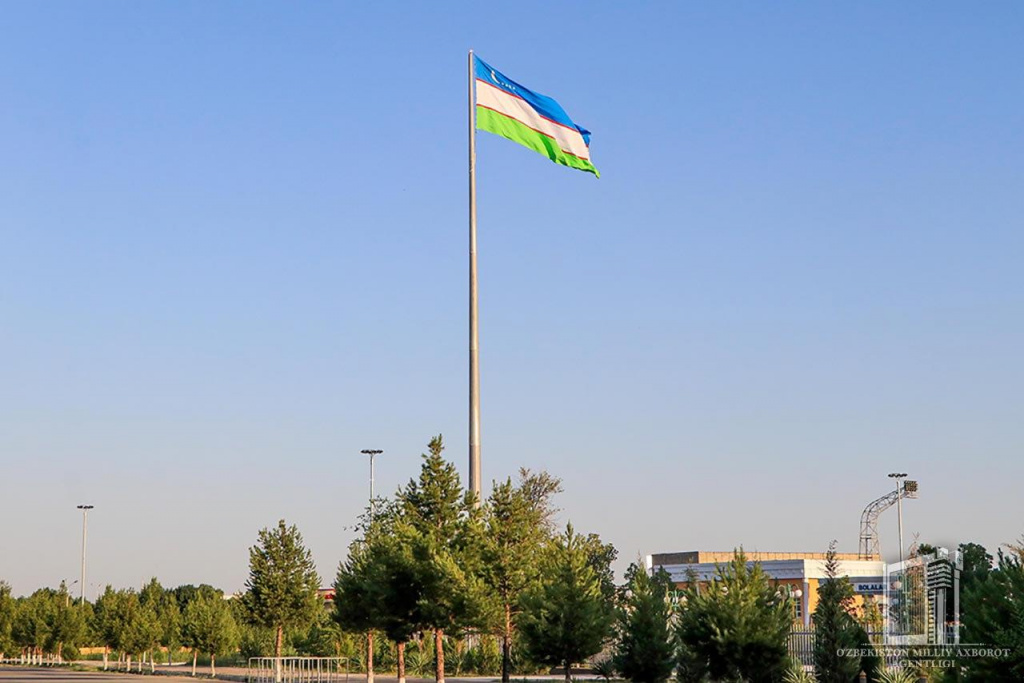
(497, 99)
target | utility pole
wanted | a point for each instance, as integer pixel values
(85, 531)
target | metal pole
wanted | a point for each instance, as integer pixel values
(899, 513)
(85, 533)
(474, 333)
(373, 453)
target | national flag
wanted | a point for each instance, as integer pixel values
(508, 109)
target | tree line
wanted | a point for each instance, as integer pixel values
(438, 581)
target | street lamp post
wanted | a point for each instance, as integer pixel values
(373, 453)
(899, 477)
(85, 531)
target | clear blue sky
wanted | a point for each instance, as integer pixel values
(233, 254)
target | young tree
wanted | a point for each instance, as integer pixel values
(734, 627)
(140, 630)
(283, 583)
(836, 629)
(169, 618)
(357, 593)
(645, 651)
(209, 627)
(33, 622)
(377, 585)
(566, 617)
(126, 629)
(517, 521)
(443, 531)
(103, 621)
(7, 610)
(68, 623)
(152, 597)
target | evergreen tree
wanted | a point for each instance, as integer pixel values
(283, 583)
(835, 628)
(444, 532)
(566, 617)
(377, 586)
(645, 650)
(977, 565)
(357, 591)
(993, 614)
(517, 519)
(734, 627)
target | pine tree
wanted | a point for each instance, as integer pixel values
(836, 630)
(444, 534)
(645, 651)
(993, 613)
(734, 627)
(377, 586)
(283, 583)
(566, 617)
(517, 519)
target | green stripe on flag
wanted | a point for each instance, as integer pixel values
(516, 131)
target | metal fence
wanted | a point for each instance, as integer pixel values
(801, 645)
(33, 660)
(297, 670)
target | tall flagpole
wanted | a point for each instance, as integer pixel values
(474, 333)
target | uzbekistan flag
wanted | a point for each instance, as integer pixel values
(505, 108)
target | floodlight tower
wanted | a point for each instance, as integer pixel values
(899, 477)
(869, 546)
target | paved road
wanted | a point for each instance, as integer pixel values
(9, 674)
(20, 673)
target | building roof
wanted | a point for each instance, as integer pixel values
(712, 556)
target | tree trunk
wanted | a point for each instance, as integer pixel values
(568, 672)
(60, 652)
(369, 657)
(106, 654)
(213, 665)
(439, 655)
(152, 663)
(195, 655)
(506, 645)
(129, 660)
(277, 654)
(401, 662)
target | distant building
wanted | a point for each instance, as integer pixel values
(800, 573)
(327, 595)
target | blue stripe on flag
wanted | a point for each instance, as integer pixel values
(544, 105)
